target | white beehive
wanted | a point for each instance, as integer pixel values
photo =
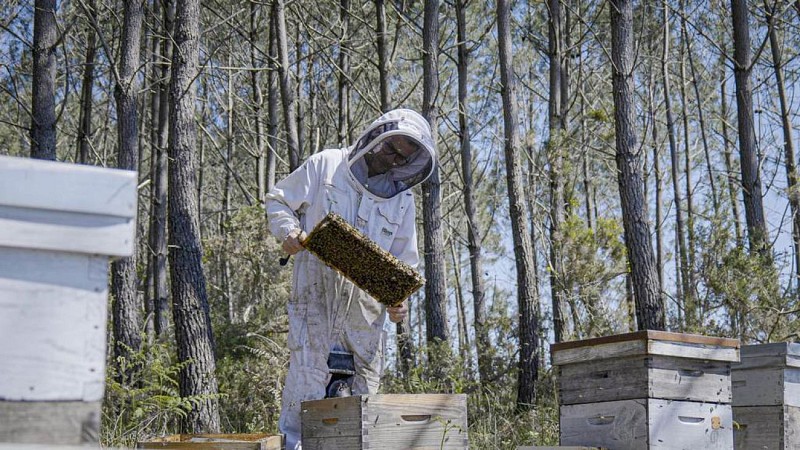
(59, 225)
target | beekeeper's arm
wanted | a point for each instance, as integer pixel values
(286, 201)
(404, 247)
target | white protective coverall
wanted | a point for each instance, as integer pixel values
(326, 311)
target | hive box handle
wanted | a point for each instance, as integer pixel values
(600, 420)
(330, 421)
(415, 418)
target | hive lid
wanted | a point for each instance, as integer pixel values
(777, 354)
(648, 342)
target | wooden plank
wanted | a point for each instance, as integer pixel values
(648, 335)
(770, 427)
(779, 354)
(605, 349)
(52, 325)
(621, 425)
(601, 351)
(648, 424)
(61, 423)
(66, 231)
(387, 422)
(251, 441)
(644, 377)
(57, 186)
(766, 387)
(689, 425)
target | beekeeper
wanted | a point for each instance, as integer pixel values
(368, 184)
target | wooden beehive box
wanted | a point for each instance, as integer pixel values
(59, 225)
(648, 423)
(386, 422)
(766, 396)
(253, 441)
(645, 364)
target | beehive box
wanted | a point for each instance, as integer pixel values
(766, 396)
(254, 441)
(342, 247)
(769, 374)
(59, 225)
(767, 427)
(645, 364)
(386, 422)
(648, 424)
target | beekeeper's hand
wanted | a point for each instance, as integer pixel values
(291, 244)
(398, 313)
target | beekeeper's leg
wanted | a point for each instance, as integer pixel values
(308, 374)
(366, 339)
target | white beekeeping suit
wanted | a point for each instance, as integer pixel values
(326, 311)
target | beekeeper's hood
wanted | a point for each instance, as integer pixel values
(398, 122)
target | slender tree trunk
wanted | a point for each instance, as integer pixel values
(383, 70)
(528, 364)
(313, 127)
(125, 306)
(287, 92)
(748, 158)
(557, 209)
(301, 114)
(732, 183)
(258, 105)
(788, 138)
(158, 226)
(344, 72)
(87, 84)
(683, 264)
(195, 342)
(649, 304)
(230, 148)
(435, 267)
(272, 100)
(690, 291)
(474, 233)
(657, 173)
(43, 121)
(700, 118)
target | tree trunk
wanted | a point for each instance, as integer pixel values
(751, 181)
(788, 139)
(272, 100)
(258, 105)
(651, 87)
(343, 72)
(683, 264)
(285, 75)
(435, 269)
(649, 305)
(380, 39)
(43, 121)
(528, 364)
(483, 344)
(690, 288)
(555, 157)
(195, 341)
(87, 84)
(125, 306)
(732, 183)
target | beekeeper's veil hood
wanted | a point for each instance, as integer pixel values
(398, 122)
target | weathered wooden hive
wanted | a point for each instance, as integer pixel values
(59, 225)
(247, 441)
(342, 247)
(648, 389)
(386, 422)
(766, 397)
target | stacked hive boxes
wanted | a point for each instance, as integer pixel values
(646, 389)
(59, 225)
(766, 397)
(386, 422)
